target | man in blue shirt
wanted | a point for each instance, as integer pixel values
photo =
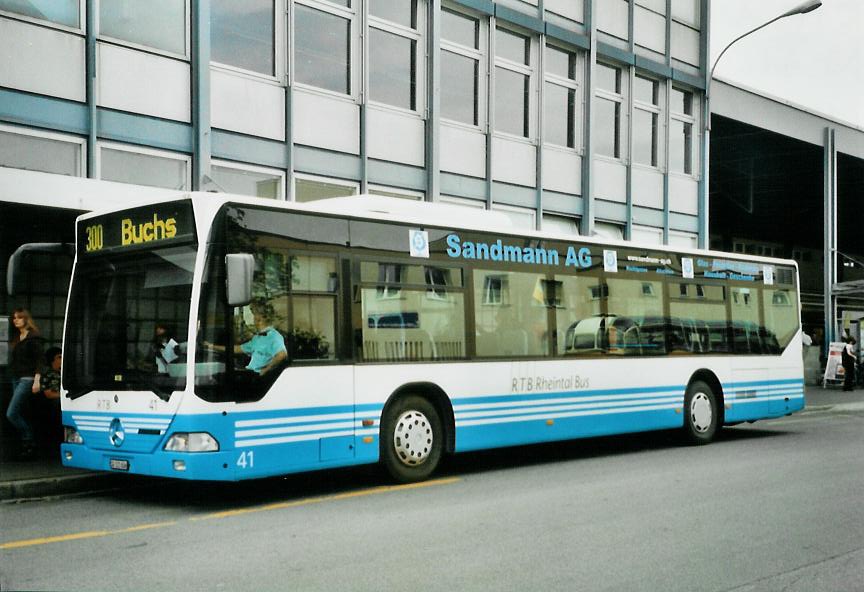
(267, 346)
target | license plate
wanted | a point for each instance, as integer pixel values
(119, 464)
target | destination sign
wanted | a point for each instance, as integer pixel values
(145, 227)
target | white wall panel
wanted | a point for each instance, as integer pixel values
(650, 29)
(326, 122)
(647, 235)
(572, 9)
(683, 239)
(562, 171)
(463, 151)
(613, 17)
(656, 5)
(246, 105)
(647, 188)
(131, 80)
(683, 195)
(42, 60)
(514, 162)
(610, 180)
(396, 137)
(685, 44)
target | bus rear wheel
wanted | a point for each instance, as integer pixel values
(412, 439)
(701, 413)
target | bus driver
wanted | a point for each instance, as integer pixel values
(266, 348)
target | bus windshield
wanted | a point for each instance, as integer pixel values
(128, 320)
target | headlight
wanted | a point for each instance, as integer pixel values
(192, 442)
(71, 436)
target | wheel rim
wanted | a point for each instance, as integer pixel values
(413, 438)
(701, 413)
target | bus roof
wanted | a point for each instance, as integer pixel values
(393, 209)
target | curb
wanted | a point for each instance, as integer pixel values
(11, 491)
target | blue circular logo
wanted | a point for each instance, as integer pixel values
(419, 241)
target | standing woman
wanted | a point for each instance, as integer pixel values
(25, 366)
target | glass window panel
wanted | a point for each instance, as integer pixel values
(561, 224)
(62, 12)
(682, 102)
(313, 274)
(697, 320)
(242, 34)
(560, 115)
(608, 78)
(681, 147)
(160, 24)
(511, 102)
(645, 137)
(459, 88)
(686, 11)
(561, 63)
(781, 316)
(142, 169)
(322, 50)
(576, 314)
(418, 325)
(245, 182)
(510, 311)
(396, 193)
(606, 128)
(313, 335)
(746, 336)
(460, 29)
(645, 90)
(33, 153)
(512, 46)
(636, 306)
(311, 190)
(403, 12)
(392, 73)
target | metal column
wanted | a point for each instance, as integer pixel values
(201, 143)
(829, 169)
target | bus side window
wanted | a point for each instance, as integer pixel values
(314, 297)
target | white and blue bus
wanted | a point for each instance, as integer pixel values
(407, 330)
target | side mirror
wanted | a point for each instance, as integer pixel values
(238, 282)
(15, 270)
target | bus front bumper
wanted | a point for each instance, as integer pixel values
(212, 466)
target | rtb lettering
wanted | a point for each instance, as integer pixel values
(145, 232)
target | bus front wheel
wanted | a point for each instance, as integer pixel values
(412, 439)
(701, 413)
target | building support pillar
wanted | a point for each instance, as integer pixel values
(829, 168)
(90, 89)
(201, 125)
(433, 104)
(588, 208)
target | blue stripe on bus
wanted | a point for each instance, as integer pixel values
(324, 440)
(580, 393)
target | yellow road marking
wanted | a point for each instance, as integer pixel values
(228, 513)
(80, 535)
(327, 498)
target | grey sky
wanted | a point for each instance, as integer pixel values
(815, 60)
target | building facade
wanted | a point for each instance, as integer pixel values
(578, 115)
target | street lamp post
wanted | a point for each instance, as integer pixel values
(803, 8)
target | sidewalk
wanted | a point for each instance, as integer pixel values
(47, 476)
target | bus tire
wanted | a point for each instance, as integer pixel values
(701, 413)
(412, 439)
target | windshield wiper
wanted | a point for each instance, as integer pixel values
(162, 392)
(77, 393)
